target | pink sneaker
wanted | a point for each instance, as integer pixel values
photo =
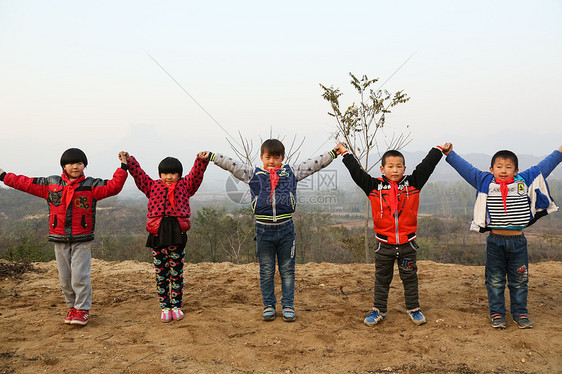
(69, 316)
(166, 315)
(177, 314)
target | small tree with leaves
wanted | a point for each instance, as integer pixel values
(362, 126)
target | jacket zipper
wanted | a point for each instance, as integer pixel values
(274, 209)
(396, 225)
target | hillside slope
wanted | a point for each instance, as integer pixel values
(222, 331)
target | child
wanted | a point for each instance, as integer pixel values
(394, 202)
(167, 224)
(506, 203)
(273, 190)
(72, 202)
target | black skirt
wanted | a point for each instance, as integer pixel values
(169, 233)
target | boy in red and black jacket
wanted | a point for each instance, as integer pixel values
(394, 201)
(72, 199)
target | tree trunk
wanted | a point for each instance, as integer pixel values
(367, 257)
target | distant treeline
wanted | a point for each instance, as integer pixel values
(225, 232)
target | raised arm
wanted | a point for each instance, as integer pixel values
(423, 171)
(464, 168)
(550, 162)
(238, 169)
(106, 188)
(312, 165)
(142, 180)
(34, 186)
(195, 176)
(359, 176)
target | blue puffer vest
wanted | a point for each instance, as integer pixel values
(277, 207)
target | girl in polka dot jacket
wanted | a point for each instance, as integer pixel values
(167, 224)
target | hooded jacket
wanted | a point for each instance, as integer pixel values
(401, 227)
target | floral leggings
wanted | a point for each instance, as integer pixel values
(168, 263)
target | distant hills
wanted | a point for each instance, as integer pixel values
(215, 177)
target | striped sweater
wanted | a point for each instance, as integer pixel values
(529, 198)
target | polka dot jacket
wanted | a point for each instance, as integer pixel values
(157, 192)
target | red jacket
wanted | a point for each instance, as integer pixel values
(399, 228)
(72, 204)
(157, 193)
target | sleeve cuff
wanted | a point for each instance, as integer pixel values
(2, 176)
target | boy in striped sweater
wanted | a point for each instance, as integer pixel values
(506, 202)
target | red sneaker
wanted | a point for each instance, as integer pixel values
(69, 316)
(80, 317)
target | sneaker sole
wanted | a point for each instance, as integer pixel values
(80, 323)
(370, 324)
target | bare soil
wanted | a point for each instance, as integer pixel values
(222, 331)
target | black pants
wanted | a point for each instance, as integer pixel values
(385, 255)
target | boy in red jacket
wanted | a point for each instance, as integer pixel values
(394, 201)
(72, 202)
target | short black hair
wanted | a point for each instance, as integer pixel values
(273, 147)
(504, 153)
(170, 165)
(392, 153)
(73, 156)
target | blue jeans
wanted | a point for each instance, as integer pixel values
(276, 241)
(507, 256)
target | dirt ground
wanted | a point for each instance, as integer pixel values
(223, 333)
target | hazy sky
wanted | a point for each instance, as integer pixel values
(484, 75)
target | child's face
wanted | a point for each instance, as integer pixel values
(74, 170)
(169, 178)
(393, 168)
(271, 161)
(504, 168)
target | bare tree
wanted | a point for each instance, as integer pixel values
(362, 127)
(246, 152)
(238, 235)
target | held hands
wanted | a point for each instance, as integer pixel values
(124, 157)
(204, 155)
(446, 148)
(340, 148)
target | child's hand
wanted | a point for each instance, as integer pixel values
(124, 157)
(204, 155)
(1, 171)
(559, 150)
(340, 148)
(446, 148)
